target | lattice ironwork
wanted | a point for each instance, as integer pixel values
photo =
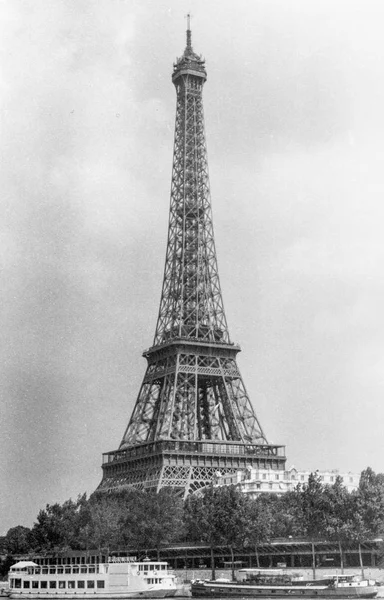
(192, 389)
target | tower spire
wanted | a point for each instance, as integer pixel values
(189, 33)
(193, 414)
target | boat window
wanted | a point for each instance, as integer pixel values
(75, 570)
(101, 583)
(37, 571)
(45, 571)
(92, 570)
(83, 569)
(62, 585)
(25, 584)
(81, 584)
(43, 585)
(52, 584)
(90, 584)
(71, 585)
(35, 584)
(52, 570)
(60, 570)
(67, 570)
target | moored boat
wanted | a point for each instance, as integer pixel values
(279, 583)
(121, 579)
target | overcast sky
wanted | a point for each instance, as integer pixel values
(295, 127)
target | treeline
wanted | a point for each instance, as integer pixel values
(216, 516)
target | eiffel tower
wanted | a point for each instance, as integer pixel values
(193, 417)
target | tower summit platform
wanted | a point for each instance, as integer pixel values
(193, 417)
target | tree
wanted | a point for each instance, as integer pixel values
(201, 520)
(155, 520)
(57, 526)
(231, 518)
(338, 513)
(370, 500)
(105, 519)
(368, 511)
(287, 514)
(17, 540)
(260, 522)
(313, 512)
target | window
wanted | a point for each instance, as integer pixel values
(81, 584)
(52, 570)
(90, 584)
(61, 585)
(277, 477)
(101, 583)
(43, 585)
(67, 570)
(83, 569)
(75, 570)
(71, 585)
(52, 584)
(35, 584)
(25, 584)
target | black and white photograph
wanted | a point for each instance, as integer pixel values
(192, 291)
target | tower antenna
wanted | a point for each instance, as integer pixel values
(189, 33)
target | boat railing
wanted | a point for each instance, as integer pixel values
(59, 570)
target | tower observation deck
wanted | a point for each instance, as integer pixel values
(193, 417)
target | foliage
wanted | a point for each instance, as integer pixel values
(215, 516)
(58, 526)
(202, 520)
(17, 540)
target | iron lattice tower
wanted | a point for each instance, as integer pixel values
(193, 416)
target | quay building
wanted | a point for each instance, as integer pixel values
(255, 481)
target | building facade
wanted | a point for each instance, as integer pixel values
(253, 481)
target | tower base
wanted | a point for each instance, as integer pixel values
(184, 466)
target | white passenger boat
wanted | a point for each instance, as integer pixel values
(125, 578)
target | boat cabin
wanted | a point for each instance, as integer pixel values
(268, 576)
